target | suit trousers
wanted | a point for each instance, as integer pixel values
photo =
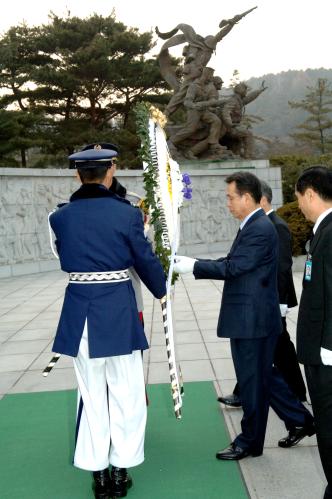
(111, 415)
(319, 379)
(285, 359)
(261, 385)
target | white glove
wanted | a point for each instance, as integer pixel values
(326, 356)
(184, 264)
(283, 309)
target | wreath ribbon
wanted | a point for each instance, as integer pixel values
(164, 195)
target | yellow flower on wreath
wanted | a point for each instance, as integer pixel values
(158, 116)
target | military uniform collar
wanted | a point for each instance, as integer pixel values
(88, 191)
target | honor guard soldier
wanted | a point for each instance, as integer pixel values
(99, 236)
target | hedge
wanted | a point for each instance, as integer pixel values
(300, 228)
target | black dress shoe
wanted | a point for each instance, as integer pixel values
(295, 435)
(120, 482)
(102, 484)
(232, 453)
(231, 400)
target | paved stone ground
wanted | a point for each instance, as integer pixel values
(29, 310)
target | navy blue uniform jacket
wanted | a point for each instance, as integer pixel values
(250, 303)
(98, 232)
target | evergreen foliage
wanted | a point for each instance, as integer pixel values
(317, 128)
(150, 178)
(300, 228)
(82, 78)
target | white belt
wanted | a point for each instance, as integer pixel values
(99, 277)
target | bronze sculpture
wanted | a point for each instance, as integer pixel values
(231, 113)
(213, 128)
(200, 95)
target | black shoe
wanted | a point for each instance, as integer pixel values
(102, 484)
(232, 453)
(120, 482)
(295, 435)
(231, 400)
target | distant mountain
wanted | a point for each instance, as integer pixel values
(272, 105)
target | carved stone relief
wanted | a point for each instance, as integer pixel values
(206, 218)
(26, 199)
(24, 206)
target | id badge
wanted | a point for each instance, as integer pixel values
(308, 270)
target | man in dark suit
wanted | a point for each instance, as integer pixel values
(314, 327)
(250, 317)
(99, 236)
(285, 358)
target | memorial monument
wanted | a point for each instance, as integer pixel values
(213, 126)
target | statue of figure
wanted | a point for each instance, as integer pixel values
(200, 95)
(197, 54)
(231, 113)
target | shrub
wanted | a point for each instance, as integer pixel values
(300, 228)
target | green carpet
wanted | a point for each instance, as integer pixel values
(36, 444)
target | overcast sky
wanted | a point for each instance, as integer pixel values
(279, 35)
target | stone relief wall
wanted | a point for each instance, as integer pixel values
(25, 202)
(28, 196)
(205, 219)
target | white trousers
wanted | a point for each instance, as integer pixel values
(111, 413)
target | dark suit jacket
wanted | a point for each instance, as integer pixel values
(286, 287)
(250, 303)
(314, 326)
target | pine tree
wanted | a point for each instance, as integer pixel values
(83, 76)
(317, 128)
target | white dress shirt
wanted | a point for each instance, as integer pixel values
(245, 220)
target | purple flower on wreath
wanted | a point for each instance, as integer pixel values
(187, 191)
(186, 178)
